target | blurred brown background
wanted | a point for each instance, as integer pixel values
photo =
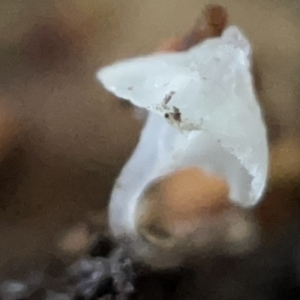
(71, 137)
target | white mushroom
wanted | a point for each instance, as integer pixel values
(203, 113)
